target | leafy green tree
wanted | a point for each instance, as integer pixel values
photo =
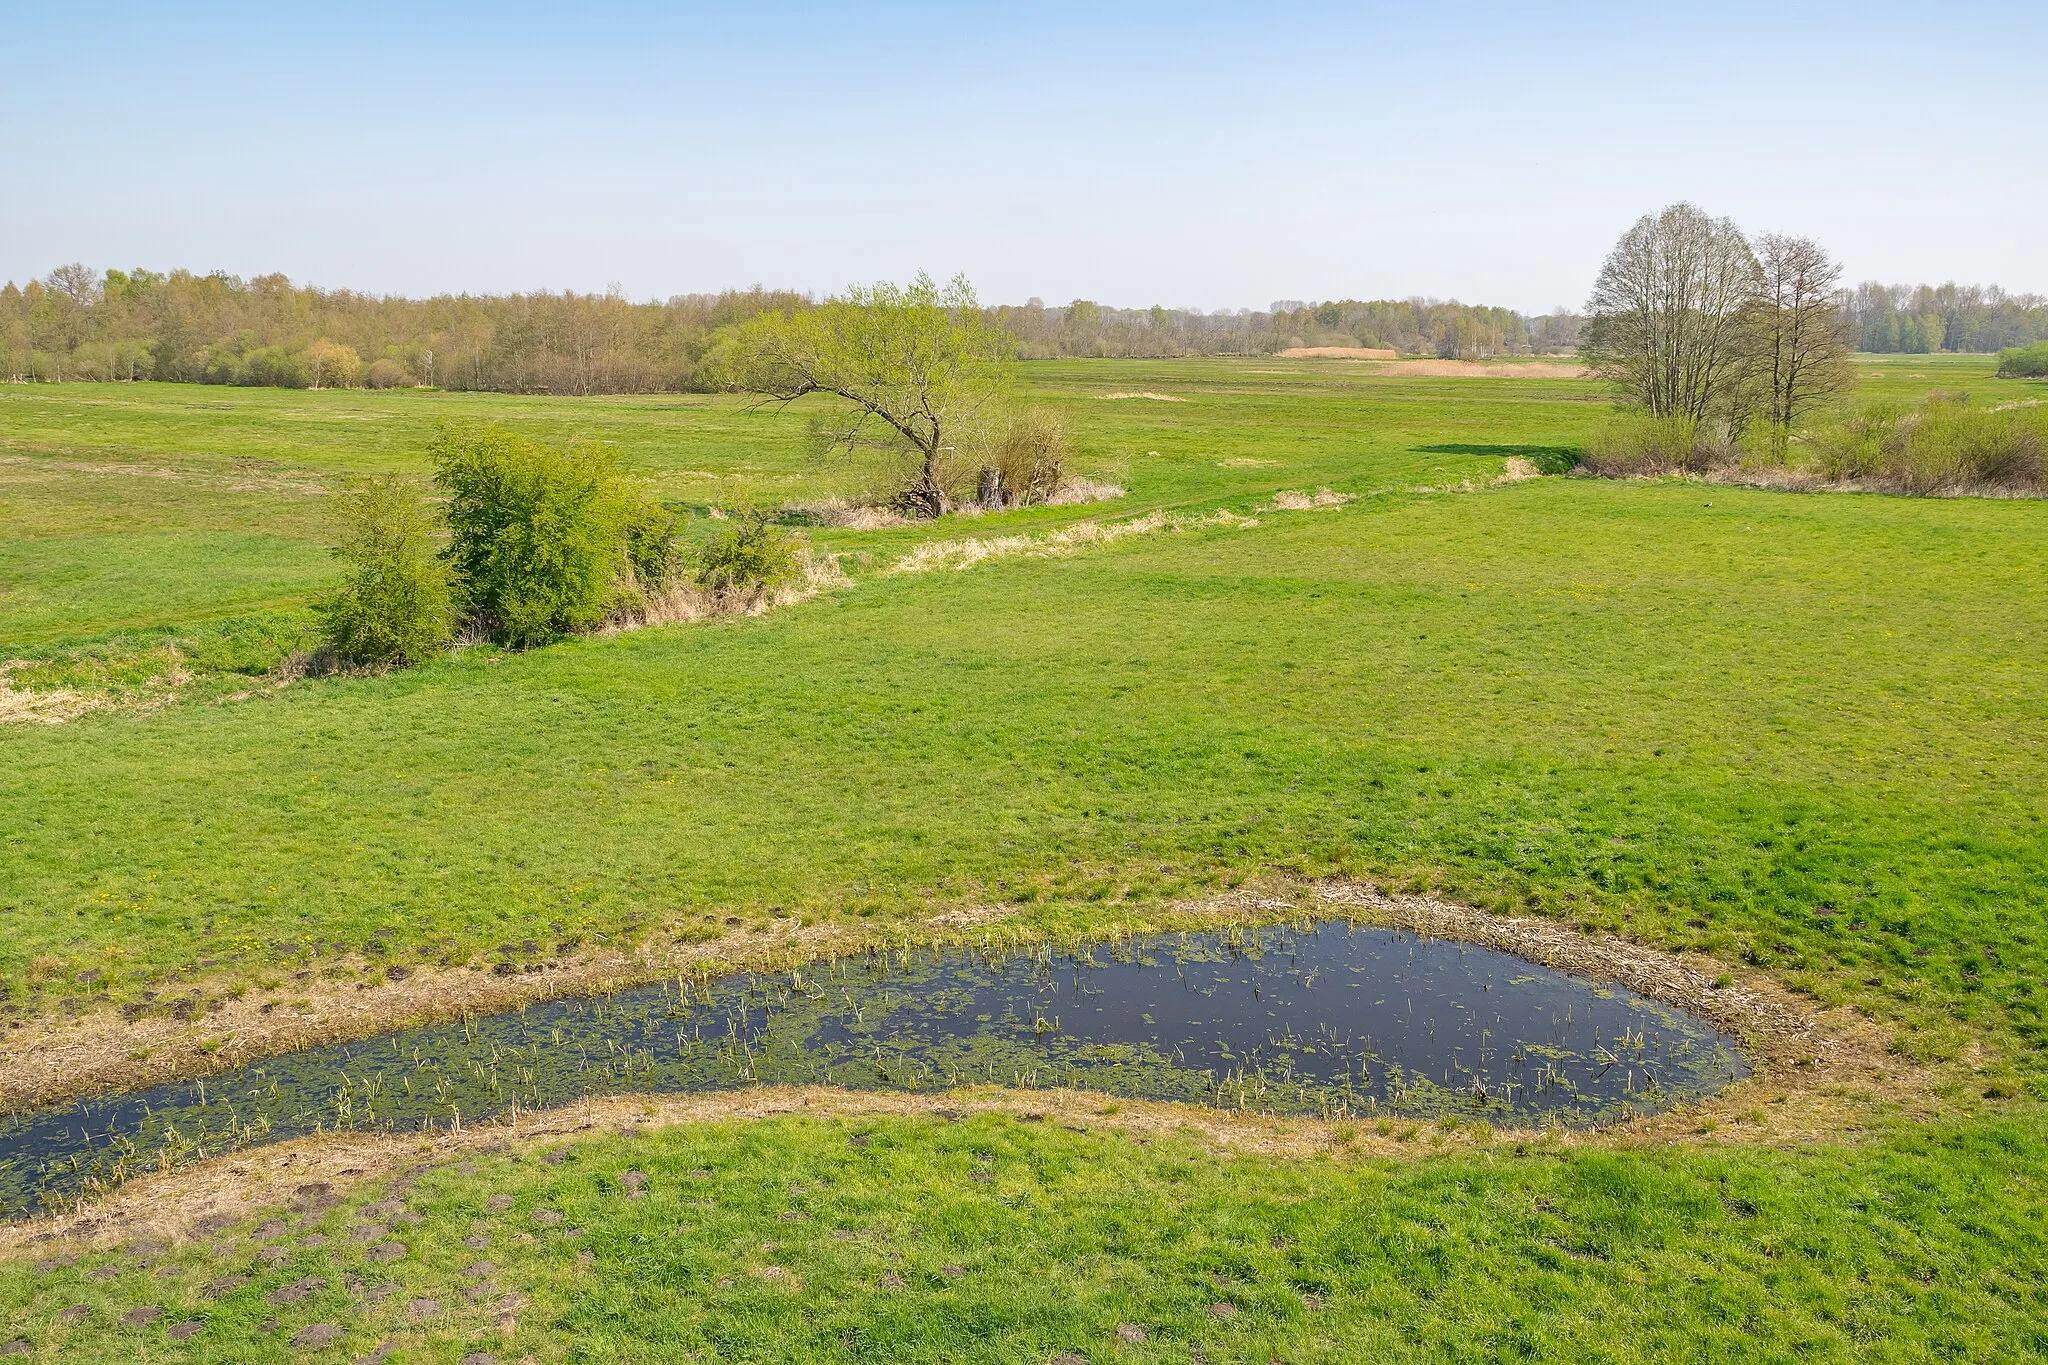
(925, 363)
(394, 607)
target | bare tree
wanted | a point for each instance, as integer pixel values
(1801, 353)
(1668, 315)
(77, 282)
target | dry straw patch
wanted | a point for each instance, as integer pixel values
(682, 603)
(1340, 353)
(56, 705)
(53, 707)
(1151, 397)
(235, 481)
(964, 554)
(1291, 500)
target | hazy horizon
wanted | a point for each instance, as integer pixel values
(1190, 156)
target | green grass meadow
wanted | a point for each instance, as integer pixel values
(1804, 732)
(992, 1239)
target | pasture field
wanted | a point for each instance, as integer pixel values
(1799, 734)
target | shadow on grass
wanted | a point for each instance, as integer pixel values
(1549, 459)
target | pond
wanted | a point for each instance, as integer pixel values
(1326, 1019)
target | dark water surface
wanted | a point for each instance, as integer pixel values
(1321, 1019)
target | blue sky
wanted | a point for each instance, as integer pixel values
(1187, 154)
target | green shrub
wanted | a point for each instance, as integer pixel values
(394, 608)
(274, 367)
(2024, 362)
(749, 555)
(647, 536)
(1853, 447)
(545, 541)
(1944, 446)
(1637, 446)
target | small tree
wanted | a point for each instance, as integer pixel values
(331, 365)
(1668, 314)
(394, 607)
(545, 541)
(925, 363)
(1796, 332)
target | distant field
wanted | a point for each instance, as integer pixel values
(156, 507)
(215, 494)
(1802, 734)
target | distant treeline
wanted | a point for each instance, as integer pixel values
(79, 324)
(1450, 330)
(1918, 319)
(216, 329)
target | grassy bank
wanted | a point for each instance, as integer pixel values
(993, 1238)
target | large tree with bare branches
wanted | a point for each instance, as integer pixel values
(1796, 332)
(1669, 312)
(924, 363)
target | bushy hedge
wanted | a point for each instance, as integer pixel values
(1029, 459)
(542, 541)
